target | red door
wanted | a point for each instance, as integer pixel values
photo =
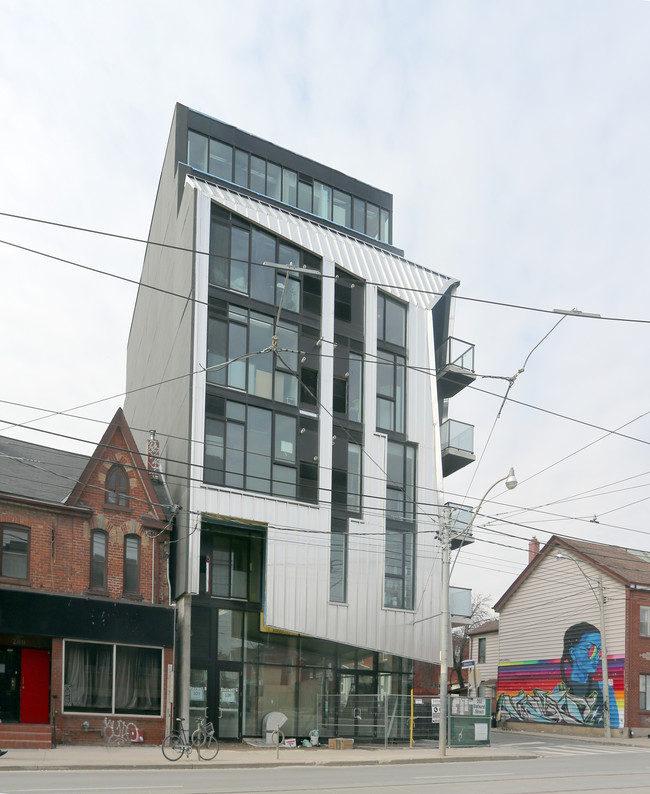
(34, 686)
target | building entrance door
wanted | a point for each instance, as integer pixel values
(34, 686)
(10, 684)
(358, 711)
(229, 715)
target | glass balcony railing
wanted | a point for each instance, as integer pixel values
(460, 602)
(457, 436)
(455, 353)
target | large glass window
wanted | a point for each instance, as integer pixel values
(14, 551)
(220, 160)
(391, 409)
(98, 559)
(283, 184)
(232, 563)
(398, 590)
(391, 321)
(112, 679)
(233, 334)
(400, 481)
(338, 560)
(197, 151)
(238, 252)
(255, 449)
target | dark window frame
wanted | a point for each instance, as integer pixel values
(112, 689)
(131, 571)
(117, 488)
(644, 622)
(338, 564)
(358, 218)
(11, 527)
(644, 691)
(93, 581)
(405, 578)
(482, 650)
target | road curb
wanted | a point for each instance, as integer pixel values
(266, 764)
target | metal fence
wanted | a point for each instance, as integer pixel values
(387, 718)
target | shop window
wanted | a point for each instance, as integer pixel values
(131, 582)
(14, 551)
(117, 487)
(112, 679)
(98, 559)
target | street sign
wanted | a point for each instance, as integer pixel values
(435, 709)
(467, 663)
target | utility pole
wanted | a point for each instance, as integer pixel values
(603, 645)
(445, 631)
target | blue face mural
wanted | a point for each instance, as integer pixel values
(531, 692)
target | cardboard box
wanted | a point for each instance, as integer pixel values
(340, 744)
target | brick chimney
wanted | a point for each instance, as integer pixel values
(533, 549)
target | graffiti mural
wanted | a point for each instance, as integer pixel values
(121, 732)
(568, 690)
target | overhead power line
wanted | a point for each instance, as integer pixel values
(184, 249)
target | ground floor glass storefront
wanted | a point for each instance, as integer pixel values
(242, 670)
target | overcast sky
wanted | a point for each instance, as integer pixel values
(514, 137)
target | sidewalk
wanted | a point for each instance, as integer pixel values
(245, 756)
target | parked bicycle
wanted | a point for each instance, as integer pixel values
(180, 741)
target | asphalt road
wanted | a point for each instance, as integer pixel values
(597, 769)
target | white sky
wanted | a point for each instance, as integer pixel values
(513, 136)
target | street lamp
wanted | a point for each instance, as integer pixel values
(600, 598)
(445, 614)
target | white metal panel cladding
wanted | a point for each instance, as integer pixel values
(407, 280)
(298, 535)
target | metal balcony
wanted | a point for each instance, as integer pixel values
(454, 366)
(460, 518)
(457, 444)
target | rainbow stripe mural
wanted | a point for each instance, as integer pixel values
(534, 691)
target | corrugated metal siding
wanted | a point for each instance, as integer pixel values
(297, 573)
(364, 260)
(555, 596)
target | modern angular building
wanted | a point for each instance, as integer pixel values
(297, 370)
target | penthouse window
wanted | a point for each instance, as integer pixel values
(288, 186)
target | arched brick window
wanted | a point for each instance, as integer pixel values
(117, 487)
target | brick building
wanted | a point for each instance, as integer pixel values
(86, 626)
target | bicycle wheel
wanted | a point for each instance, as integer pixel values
(173, 747)
(208, 749)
